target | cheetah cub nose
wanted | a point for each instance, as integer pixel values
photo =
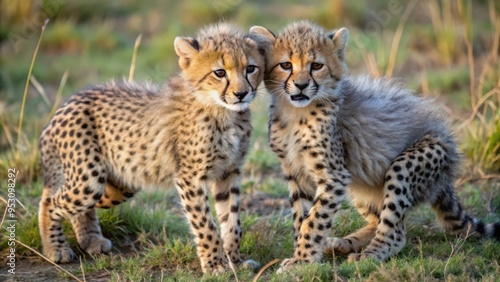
(240, 95)
(301, 86)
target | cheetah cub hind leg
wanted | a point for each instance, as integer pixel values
(55, 246)
(86, 225)
(88, 233)
(69, 195)
(408, 182)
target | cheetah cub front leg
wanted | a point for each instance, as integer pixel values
(315, 225)
(226, 192)
(209, 243)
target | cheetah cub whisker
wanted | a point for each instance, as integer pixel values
(193, 133)
(389, 149)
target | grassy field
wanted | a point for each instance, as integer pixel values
(445, 49)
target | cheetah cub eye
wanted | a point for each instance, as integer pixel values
(304, 64)
(224, 71)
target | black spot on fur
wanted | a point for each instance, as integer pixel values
(318, 239)
(388, 223)
(222, 196)
(496, 231)
(480, 228)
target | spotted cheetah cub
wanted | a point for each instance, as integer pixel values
(389, 149)
(108, 141)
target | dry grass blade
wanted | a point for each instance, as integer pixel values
(336, 277)
(368, 56)
(397, 38)
(461, 182)
(25, 209)
(442, 14)
(134, 56)
(425, 82)
(477, 107)
(8, 136)
(83, 271)
(496, 23)
(231, 266)
(38, 86)
(371, 63)
(45, 258)
(5, 212)
(59, 93)
(467, 33)
(261, 271)
(455, 248)
(21, 114)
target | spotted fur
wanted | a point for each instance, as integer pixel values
(389, 149)
(193, 133)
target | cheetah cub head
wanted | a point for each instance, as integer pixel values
(221, 65)
(304, 63)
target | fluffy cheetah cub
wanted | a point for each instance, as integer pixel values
(389, 149)
(107, 142)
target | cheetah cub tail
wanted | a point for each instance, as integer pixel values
(491, 230)
(455, 219)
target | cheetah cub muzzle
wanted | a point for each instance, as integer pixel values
(389, 149)
(193, 133)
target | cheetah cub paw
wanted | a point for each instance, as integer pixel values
(340, 246)
(215, 267)
(95, 244)
(361, 256)
(288, 263)
(62, 254)
(250, 264)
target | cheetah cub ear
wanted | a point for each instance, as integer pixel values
(339, 38)
(262, 36)
(186, 48)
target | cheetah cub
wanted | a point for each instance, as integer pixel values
(109, 141)
(387, 148)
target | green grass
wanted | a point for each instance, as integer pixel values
(93, 42)
(149, 243)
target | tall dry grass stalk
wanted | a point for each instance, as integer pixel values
(62, 84)
(482, 127)
(134, 57)
(495, 20)
(397, 38)
(465, 17)
(369, 56)
(21, 114)
(446, 28)
(14, 11)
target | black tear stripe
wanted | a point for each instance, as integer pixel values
(312, 77)
(315, 83)
(224, 91)
(251, 86)
(286, 81)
